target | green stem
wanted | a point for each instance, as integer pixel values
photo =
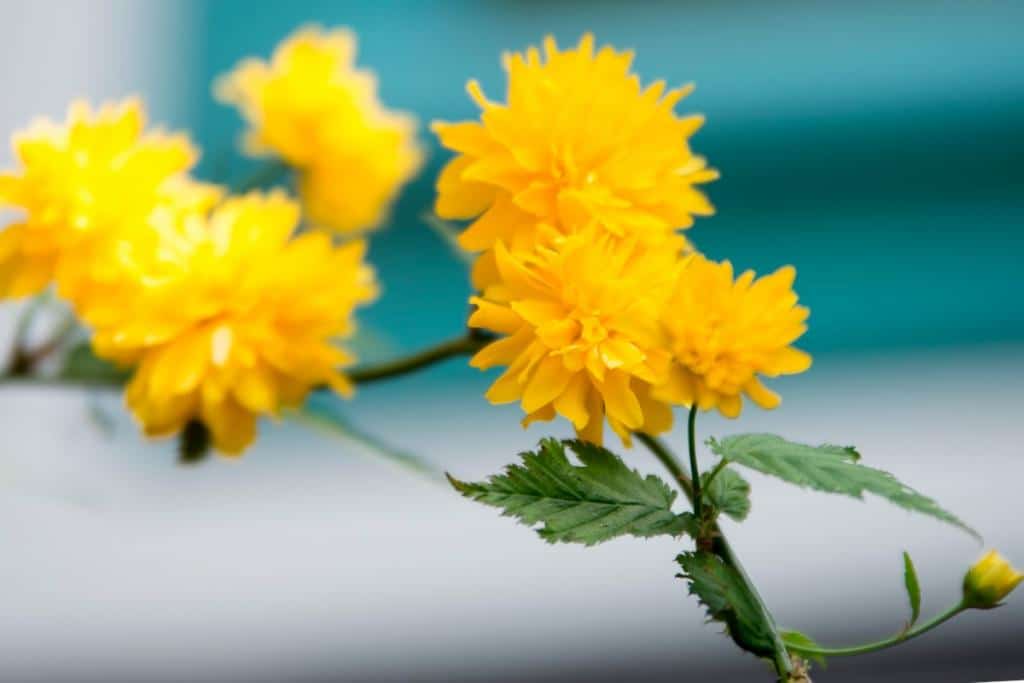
(783, 666)
(266, 174)
(881, 644)
(691, 430)
(714, 473)
(460, 346)
(17, 364)
(664, 455)
(63, 332)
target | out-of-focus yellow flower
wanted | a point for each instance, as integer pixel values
(82, 184)
(724, 333)
(989, 581)
(234, 317)
(582, 337)
(103, 274)
(312, 107)
(579, 142)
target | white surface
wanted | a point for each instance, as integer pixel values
(305, 557)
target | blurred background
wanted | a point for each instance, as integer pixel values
(877, 146)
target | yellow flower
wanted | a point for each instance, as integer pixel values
(234, 317)
(579, 142)
(989, 581)
(106, 273)
(582, 334)
(95, 177)
(724, 333)
(313, 108)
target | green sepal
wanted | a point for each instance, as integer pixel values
(193, 443)
(82, 365)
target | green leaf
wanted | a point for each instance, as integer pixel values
(727, 599)
(827, 468)
(729, 493)
(449, 234)
(590, 503)
(798, 643)
(82, 365)
(323, 410)
(913, 589)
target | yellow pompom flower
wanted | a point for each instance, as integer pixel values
(234, 318)
(94, 178)
(107, 273)
(314, 109)
(579, 142)
(582, 338)
(989, 581)
(724, 333)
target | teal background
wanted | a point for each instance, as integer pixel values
(876, 146)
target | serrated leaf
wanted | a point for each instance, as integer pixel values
(913, 588)
(826, 468)
(729, 493)
(727, 599)
(82, 365)
(588, 503)
(799, 643)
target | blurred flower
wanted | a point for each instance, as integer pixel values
(82, 185)
(723, 333)
(313, 108)
(233, 317)
(579, 142)
(582, 335)
(104, 274)
(990, 580)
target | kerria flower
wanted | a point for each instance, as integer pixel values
(724, 333)
(989, 581)
(315, 110)
(93, 179)
(234, 318)
(579, 142)
(582, 338)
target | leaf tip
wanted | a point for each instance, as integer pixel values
(461, 486)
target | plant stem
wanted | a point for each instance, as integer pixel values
(783, 666)
(267, 173)
(460, 346)
(30, 357)
(664, 455)
(714, 473)
(881, 644)
(698, 498)
(16, 364)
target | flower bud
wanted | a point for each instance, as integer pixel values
(990, 580)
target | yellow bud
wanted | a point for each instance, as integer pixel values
(990, 580)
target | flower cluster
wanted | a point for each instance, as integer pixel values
(312, 108)
(222, 306)
(576, 190)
